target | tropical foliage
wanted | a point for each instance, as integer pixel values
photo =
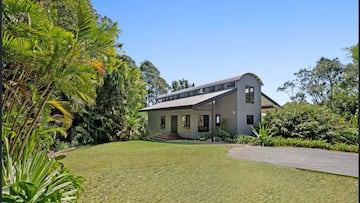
(312, 122)
(115, 116)
(37, 178)
(263, 135)
(324, 103)
(51, 67)
(47, 69)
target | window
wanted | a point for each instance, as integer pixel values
(230, 85)
(186, 121)
(219, 87)
(162, 122)
(212, 89)
(250, 119)
(203, 123)
(249, 94)
(217, 120)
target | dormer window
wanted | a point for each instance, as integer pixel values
(249, 94)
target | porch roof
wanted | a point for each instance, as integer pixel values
(189, 102)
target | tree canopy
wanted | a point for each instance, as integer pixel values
(330, 83)
(156, 85)
(177, 85)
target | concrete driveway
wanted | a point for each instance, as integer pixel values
(343, 163)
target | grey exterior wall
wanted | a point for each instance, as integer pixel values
(226, 107)
(232, 108)
(154, 121)
(243, 108)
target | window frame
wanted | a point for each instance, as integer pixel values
(249, 119)
(249, 94)
(203, 123)
(162, 122)
(186, 122)
(217, 118)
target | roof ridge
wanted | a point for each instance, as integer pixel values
(227, 80)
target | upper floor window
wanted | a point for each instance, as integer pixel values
(249, 94)
(219, 87)
(230, 85)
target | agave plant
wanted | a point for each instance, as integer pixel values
(263, 135)
(37, 178)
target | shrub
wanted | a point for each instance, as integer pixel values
(245, 139)
(310, 122)
(219, 135)
(222, 135)
(60, 145)
(297, 142)
(263, 136)
(345, 147)
(205, 136)
(37, 178)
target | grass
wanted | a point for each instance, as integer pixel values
(139, 171)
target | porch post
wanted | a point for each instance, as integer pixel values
(213, 121)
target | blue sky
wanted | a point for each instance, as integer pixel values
(208, 40)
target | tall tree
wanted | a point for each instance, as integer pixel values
(177, 85)
(346, 92)
(128, 60)
(156, 85)
(329, 83)
(326, 75)
(317, 83)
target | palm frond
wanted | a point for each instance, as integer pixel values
(98, 66)
(67, 117)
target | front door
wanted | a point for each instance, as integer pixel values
(174, 124)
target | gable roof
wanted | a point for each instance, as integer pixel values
(189, 102)
(267, 102)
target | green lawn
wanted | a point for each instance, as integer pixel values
(139, 171)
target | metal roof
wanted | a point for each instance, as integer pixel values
(232, 79)
(266, 101)
(189, 102)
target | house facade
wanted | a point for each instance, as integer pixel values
(233, 104)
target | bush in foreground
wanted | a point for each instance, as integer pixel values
(310, 122)
(219, 135)
(37, 178)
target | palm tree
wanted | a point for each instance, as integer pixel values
(45, 62)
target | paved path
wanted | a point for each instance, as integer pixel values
(343, 163)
